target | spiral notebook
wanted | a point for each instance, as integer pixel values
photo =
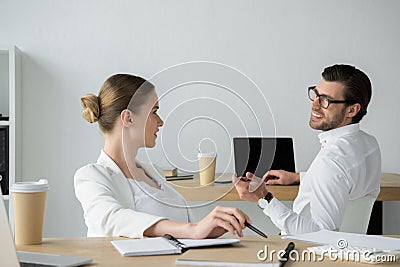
(165, 245)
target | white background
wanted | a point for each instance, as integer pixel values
(70, 47)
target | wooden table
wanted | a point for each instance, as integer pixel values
(192, 191)
(390, 187)
(104, 254)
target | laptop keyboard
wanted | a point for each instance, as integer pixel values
(27, 264)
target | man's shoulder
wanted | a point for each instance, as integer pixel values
(369, 138)
(356, 141)
(361, 143)
(351, 150)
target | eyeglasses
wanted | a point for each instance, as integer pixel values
(325, 101)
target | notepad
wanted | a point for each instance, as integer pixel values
(165, 245)
(243, 254)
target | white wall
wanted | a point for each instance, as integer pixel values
(70, 47)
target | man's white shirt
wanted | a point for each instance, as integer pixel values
(347, 167)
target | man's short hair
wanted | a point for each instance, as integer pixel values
(357, 85)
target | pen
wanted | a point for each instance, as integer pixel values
(251, 227)
(285, 257)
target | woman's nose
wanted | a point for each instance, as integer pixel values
(160, 122)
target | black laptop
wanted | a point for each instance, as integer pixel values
(261, 154)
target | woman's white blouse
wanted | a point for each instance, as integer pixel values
(164, 202)
(116, 206)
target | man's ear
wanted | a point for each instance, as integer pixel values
(353, 110)
(126, 118)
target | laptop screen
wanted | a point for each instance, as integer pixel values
(7, 248)
(261, 154)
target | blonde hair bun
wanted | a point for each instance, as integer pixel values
(90, 103)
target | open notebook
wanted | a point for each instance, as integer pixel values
(165, 245)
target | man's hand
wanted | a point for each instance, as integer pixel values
(250, 188)
(281, 177)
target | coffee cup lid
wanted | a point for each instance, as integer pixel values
(207, 155)
(29, 187)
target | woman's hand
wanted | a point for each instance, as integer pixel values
(250, 188)
(216, 223)
(219, 221)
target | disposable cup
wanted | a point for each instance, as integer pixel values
(207, 163)
(29, 202)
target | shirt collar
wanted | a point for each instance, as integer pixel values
(110, 164)
(112, 167)
(107, 162)
(325, 137)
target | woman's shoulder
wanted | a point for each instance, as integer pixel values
(92, 171)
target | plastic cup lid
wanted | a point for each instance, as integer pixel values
(29, 187)
(206, 155)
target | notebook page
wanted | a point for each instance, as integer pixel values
(192, 243)
(145, 246)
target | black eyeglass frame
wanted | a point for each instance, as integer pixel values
(312, 88)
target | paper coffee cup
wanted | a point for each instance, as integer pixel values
(29, 202)
(207, 167)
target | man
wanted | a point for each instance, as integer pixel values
(347, 167)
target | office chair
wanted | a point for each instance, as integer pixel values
(356, 215)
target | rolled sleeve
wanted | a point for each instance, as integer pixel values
(329, 198)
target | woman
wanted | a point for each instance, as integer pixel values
(123, 197)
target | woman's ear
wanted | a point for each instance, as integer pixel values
(126, 118)
(353, 110)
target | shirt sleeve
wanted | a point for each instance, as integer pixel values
(329, 196)
(302, 175)
(107, 205)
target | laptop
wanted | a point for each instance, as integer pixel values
(11, 258)
(261, 154)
